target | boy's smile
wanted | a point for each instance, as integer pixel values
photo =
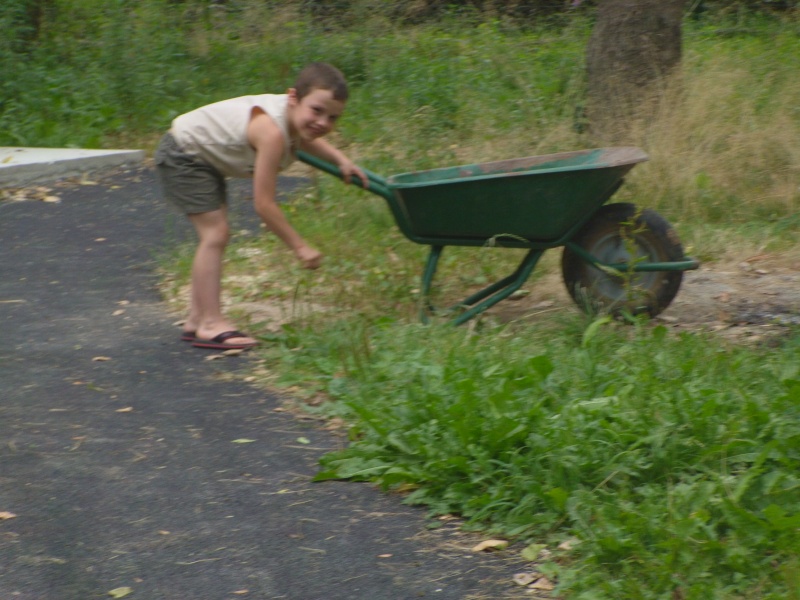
(315, 115)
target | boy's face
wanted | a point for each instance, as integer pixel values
(315, 115)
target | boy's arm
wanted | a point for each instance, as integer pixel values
(267, 140)
(323, 149)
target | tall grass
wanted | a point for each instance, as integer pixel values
(673, 461)
(724, 144)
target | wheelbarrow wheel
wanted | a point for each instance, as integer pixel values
(622, 233)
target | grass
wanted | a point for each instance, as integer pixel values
(672, 460)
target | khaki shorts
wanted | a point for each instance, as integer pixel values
(190, 184)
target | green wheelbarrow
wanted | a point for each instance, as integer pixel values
(617, 258)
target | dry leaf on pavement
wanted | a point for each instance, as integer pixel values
(525, 578)
(543, 583)
(489, 545)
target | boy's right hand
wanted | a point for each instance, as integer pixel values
(311, 258)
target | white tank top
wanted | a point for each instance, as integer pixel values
(217, 133)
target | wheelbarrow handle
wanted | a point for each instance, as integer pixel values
(377, 184)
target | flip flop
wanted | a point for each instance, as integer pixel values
(219, 342)
(188, 336)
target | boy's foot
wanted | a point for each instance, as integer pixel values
(227, 340)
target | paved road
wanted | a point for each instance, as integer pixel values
(122, 472)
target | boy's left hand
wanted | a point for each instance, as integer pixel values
(349, 169)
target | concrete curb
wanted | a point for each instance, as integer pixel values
(20, 167)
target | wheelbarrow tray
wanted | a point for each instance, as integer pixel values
(538, 201)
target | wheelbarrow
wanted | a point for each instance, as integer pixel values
(617, 258)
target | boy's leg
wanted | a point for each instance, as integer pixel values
(205, 316)
(198, 190)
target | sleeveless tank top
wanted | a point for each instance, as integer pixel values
(217, 133)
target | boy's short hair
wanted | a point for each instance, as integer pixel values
(321, 76)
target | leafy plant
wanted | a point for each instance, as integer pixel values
(674, 461)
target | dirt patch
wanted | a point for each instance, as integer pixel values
(746, 300)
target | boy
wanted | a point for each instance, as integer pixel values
(250, 136)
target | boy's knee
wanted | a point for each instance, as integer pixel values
(212, 228)
(219, 236)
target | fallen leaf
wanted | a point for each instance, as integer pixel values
(51, 199)
(532, 551)
(241, 592)
(233, 352)
(384, 556)
(126, 409)
(100, 239)
(101, 358)
(402, 488)
(490, 545)
(334, 424)
(302, 440)
(543, 583)
(243, 441)
(569, 544)
(214, 357)
(120, 592)
(524, 579)
(118, 312)
(5, 515)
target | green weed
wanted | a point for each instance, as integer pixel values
(673, 461)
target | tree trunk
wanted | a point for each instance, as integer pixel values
(634, 47)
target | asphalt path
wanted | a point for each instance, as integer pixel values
(119, 467)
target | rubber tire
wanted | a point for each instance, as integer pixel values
(604, 237)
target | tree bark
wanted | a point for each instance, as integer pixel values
(634, 47)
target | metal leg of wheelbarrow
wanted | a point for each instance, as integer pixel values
(485, 298)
